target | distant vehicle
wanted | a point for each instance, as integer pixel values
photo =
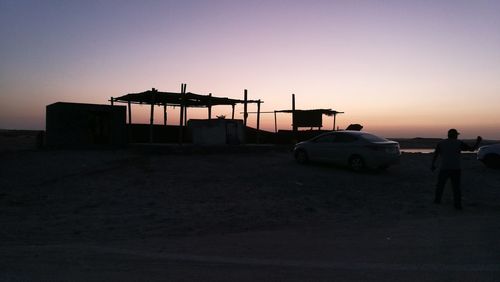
(490, 155)
(356, 149)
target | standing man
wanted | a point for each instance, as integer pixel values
(449, 150)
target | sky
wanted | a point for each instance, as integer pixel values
(400, 68)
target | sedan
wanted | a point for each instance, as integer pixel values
(356, 149)
(490, 155)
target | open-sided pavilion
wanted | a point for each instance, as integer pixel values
(304, 118)
(183, 100)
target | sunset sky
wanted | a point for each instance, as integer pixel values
(400, 68)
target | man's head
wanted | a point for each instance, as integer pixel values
(453, 133)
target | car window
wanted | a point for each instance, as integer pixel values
(325, 139)
(373, 138)
(345, 138)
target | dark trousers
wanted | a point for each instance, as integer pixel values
(454, 176)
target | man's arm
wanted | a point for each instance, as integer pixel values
(465, 147)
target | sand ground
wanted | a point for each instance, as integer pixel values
(131, 215)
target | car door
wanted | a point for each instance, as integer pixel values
(320, 147)
(344, 145)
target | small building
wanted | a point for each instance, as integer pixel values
(217, 131)
(81, 125)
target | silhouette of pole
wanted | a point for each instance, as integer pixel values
(258, 121)
(129, 108)
(151, 118)
(111, 100)
(181, 118)
(334, 121)
(232, 113)
(245, 109)
(181, 111)
(275, 123)
(209, 106)
(335, 113)
(185, 113)
(294, 126)
(165, 114)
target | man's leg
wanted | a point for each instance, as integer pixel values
(457, 193)
(442, 177)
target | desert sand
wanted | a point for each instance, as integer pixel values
(161, 213)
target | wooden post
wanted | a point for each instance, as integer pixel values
(181, 111)
(185, 113)
(232, 113)
(129, 127)
(275, 123)
(151, 118)
(334, 120)
(165, 114)
(209, 106)
(245, 110)
(258, 121)
(129, 108)
(111, 100)
(294, 127)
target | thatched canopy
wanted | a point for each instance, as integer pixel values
(177, 99)
(183, 100)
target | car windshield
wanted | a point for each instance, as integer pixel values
(373, 138)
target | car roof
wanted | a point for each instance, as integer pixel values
(349, 132)
(352, 132)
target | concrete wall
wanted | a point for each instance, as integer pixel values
(217, 132)
(77, 125)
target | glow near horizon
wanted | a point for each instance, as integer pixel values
(400, 68)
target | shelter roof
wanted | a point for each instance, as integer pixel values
(177, 99)
(328, 112)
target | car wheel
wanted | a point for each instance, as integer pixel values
(301, 157)
(492, 161)
(356, 163)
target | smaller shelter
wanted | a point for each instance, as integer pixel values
(309, 118)
(77, 125)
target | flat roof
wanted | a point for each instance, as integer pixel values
(328, 112)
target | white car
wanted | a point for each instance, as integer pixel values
(490, 155)
(356, 149)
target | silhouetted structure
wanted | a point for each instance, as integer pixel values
(77, 125)
(307, 118)
(300, 118)
(310, 118)
(183, 100)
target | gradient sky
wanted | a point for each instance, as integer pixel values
(400, 68)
